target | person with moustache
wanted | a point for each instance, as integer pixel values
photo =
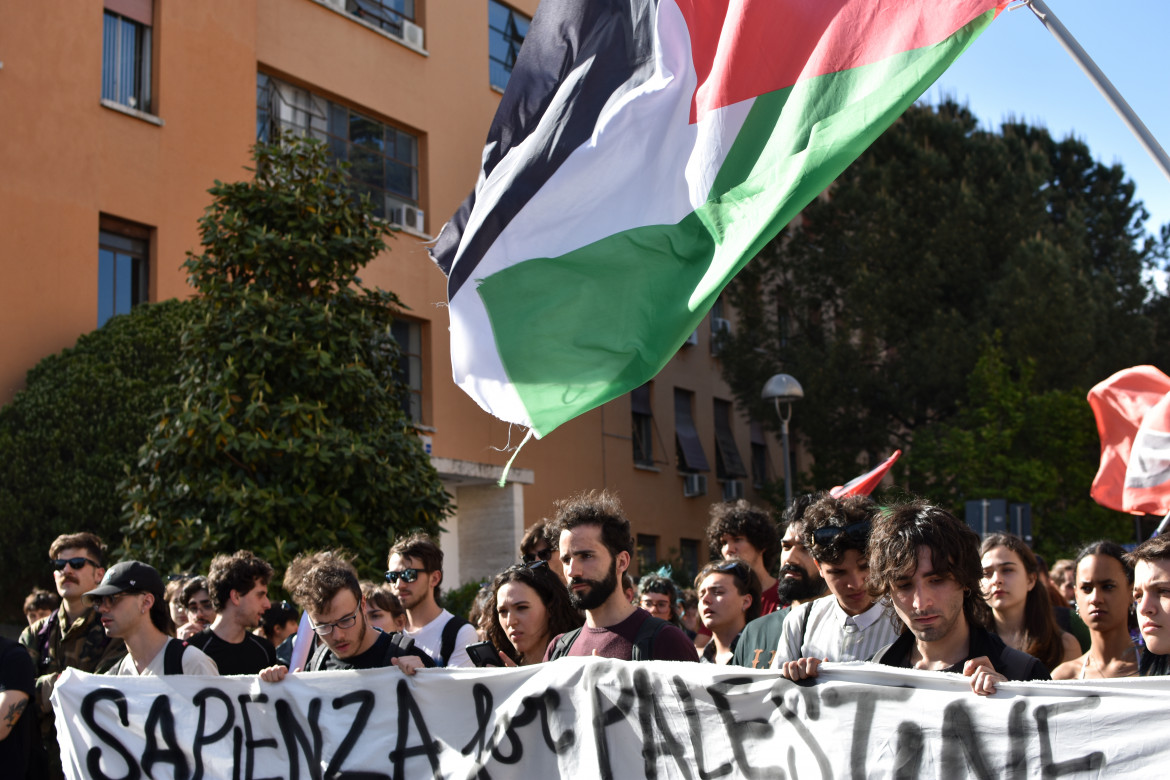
(1151, 594)
(200, 609)
(325, 585)
(131, 601)
(800, 581)
(71, 637)
(238, 586)
(850, 625)
(927, 563)
(415, 570)
(744, 532)
(596, 546)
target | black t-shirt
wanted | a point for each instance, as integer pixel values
(377, 657)
(1011, 663)
(17, 673)
(247, 657)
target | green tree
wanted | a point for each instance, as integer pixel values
(1023, 446)
(67, 438)
(287, 431)
(881, 298)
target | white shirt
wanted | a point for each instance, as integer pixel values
(831, 633)
(429, 639)
(195, 661)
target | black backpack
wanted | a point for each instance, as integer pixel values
(400, 644)
(173, 656)
(643, 641)
(450, 634)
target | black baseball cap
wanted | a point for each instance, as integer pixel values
(129, 575)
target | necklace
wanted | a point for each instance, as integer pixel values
(1101, 668)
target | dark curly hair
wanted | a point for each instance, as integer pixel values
(897, 534)
(193, 585)
(739, 518)
(561, 615)
(240, 572)
(842, 513)
(600, 508)
(656, 583)
(317, 577)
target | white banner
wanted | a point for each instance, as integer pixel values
(586, 718)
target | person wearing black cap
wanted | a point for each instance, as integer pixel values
(132, 606)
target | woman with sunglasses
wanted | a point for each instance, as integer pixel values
(1104, 599)
(1023, 614)
(528, 608)
(729, 597)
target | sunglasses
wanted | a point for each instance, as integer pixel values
(543, 555)
(406, 575)
(856, 532)
(739, 568)
(109, 602)
(533, 565)
(75, 563)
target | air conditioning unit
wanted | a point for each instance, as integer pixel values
(719, 327)
(338, 4)
(693, 338)
(732, 490)
(409, 217)
(412, 34)
(694, 485)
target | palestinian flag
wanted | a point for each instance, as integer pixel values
(642, 153)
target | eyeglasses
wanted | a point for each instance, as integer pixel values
(856, 532)
(325, 629)
(109, 602)
(544, 555)
(534, 565)
(406, 575)
(75, 563)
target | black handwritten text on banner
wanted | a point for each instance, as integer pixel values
(585, 718)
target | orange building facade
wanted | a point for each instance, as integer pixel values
(117, 119)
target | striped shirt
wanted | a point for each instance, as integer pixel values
(821, 629)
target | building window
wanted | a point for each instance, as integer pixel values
(123, 268)
(688, 551)
(126, 33)
(691, 457)
(647, 554)
(728, 464)
(386, 15)
(506, 31)
(409, 337)
(642, 424)
(761, 468)
(383, 159)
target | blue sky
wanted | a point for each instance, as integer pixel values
(1017, 68)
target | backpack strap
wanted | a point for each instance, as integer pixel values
(399, 644)
(173, 656)
(564, 644)
(807, 607)
(644, 640)
(45, 635)
(450, 634)
(317, 661)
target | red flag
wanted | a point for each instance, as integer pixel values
(1147, 475)
(865, 484)
(1120, 404)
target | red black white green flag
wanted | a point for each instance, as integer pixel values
(641, 155)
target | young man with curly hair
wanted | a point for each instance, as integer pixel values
(238, 585)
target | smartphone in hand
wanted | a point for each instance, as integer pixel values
(484, 654)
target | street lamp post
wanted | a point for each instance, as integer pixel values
(784, 389)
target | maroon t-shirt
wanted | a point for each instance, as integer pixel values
(671, 644)
(769, 603)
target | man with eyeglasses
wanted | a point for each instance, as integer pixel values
(131, 601)
(850, 626)
(238, 585)
(199, 607)
(71, 637)
(415, 570)
(325, 585)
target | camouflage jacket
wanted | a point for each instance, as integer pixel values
(55, 647)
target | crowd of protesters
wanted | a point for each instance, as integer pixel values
(839, 580)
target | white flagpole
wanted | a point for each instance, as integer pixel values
(1099, 79)
(1162, 526)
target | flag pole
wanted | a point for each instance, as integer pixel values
(1099, 79)
(1162, 526)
